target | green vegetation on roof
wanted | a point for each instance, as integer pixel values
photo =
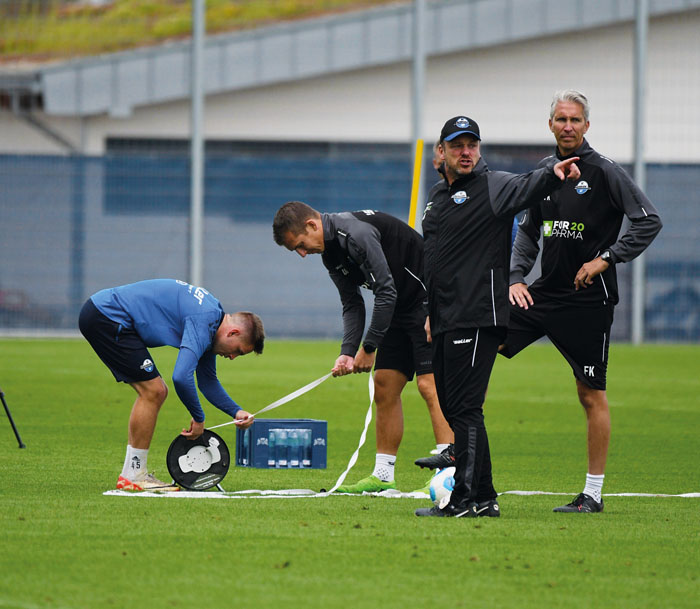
(39, 31)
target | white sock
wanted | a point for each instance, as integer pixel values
(135, 463)
(441, 447)
(594, 486)
(384, 467)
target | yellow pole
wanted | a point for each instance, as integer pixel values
(417, 163)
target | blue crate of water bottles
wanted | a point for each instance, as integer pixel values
(283, 444)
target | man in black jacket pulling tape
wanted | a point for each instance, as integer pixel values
(467, 231)
(377, 251)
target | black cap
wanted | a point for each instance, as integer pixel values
(459, 125)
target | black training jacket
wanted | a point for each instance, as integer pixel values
(467, 232)
(578, 222)
(379, 252)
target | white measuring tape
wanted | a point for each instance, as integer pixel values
(363, 437)
(353, 458)
(284, 400)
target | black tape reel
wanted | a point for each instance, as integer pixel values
(198, 464)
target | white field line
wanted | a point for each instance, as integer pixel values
(308, 493)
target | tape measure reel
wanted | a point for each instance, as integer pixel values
(199, 464)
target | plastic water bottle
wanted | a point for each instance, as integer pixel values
(271, 455)
(294, 448)
(246, 447)
(306, 447)
(281, 447)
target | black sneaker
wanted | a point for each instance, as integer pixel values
(488, 508)
(450, 511)
(445, 459)
(582, 503)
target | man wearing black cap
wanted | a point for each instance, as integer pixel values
(467, 231)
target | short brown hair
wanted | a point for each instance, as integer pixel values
(291, 218)
(255, 333)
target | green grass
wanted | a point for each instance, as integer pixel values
(68, 30)
(65, 545)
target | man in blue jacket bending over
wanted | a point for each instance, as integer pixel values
(121, 323)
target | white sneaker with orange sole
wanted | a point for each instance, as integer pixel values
(149, 483)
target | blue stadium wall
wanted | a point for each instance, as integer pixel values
(70, 226)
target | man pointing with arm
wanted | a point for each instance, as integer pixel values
(467, 227)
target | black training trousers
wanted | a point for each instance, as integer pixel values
(462, 364)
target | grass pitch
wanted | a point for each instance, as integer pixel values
(65, 545)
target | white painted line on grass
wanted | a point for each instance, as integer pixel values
(308, 493)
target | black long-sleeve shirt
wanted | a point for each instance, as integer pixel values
(580, 221)
(467, 231)
(379, 252)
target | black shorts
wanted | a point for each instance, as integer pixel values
(581, 334)
(122, 351)
(405, 347)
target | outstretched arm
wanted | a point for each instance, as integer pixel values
(510, 192)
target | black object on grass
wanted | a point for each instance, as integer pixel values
(199, 464)
(9, 416)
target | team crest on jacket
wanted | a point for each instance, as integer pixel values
(582, 187)
(460, 197)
